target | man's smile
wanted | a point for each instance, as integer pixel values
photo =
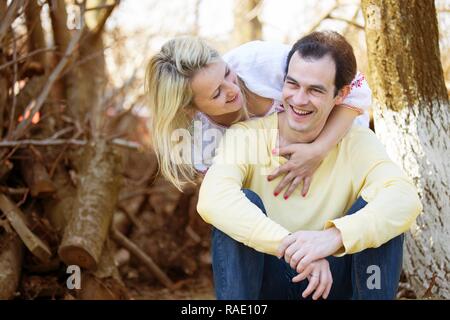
(300, 113)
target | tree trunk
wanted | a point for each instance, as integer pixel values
(411, 111)
(247, 26)
(99, 183)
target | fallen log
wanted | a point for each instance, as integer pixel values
(99, 183)
(19, 223)
(11, 255)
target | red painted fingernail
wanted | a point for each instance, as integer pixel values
(276, 193)
(285, 197)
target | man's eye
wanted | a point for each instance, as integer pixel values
(317, 91)
(217, 95)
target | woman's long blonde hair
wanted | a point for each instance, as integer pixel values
(170, 98)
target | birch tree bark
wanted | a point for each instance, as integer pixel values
(411, 111)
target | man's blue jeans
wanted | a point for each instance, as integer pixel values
(240, 272)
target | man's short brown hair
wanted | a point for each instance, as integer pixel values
(320, 43)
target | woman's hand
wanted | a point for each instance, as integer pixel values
(319, 277)
(304, 159)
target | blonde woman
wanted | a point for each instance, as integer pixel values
(188, 83)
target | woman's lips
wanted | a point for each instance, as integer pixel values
(235, 98)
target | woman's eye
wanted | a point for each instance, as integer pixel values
(227, 73)
(217, 95)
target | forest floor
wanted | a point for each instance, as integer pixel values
(198, 287)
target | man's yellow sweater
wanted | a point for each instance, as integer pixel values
(357, 166)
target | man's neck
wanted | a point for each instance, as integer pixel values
(289, 136)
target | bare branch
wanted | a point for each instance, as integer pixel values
(55, 142)
(351, 22)
(43, 142)
(29, 55)
(51, 80)
(14, 98)
(101, 24)
(10, 16)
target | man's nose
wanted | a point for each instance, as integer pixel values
(300, 97)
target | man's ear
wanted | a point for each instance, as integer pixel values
(342, 94)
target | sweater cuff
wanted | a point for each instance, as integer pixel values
(346, 230)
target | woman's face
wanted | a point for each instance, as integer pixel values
(216, 90)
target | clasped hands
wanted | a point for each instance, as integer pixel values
(305, 252)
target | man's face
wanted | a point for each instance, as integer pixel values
(308, 93)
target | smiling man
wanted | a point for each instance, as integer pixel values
(346, 232)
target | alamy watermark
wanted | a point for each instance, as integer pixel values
(374, 280)
(74, 280)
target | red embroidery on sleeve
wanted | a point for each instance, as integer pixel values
(358, 82)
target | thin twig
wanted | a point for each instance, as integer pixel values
(14, 98)
(29, 55)
(127, 144)
(351, 22)
(130, 217)
(61, 132)
(58, 158)
(10, 190)
(142, 256)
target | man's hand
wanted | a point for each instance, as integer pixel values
(319, 277)
(301, 248)
(304, 159)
